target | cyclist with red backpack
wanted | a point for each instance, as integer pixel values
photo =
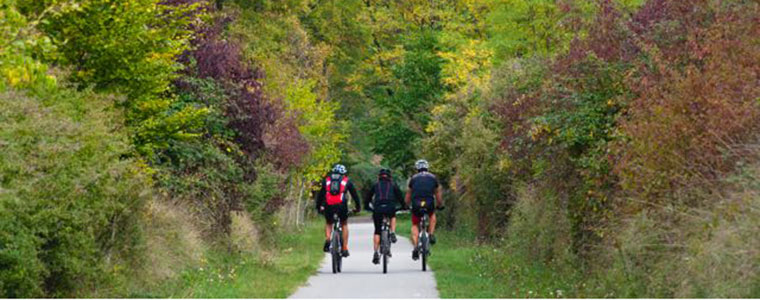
(386, 195)
(332, 198)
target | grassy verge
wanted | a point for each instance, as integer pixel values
(275, 273)
(452, 262)
(465, 269)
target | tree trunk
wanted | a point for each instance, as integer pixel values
(299, 210)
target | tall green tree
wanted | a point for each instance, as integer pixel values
(127, 47)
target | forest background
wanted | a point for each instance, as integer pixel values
(587, 148)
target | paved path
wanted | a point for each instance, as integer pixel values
(362, 279)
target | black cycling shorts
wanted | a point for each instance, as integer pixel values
(378, 219)
(342, 210)
(417, 209)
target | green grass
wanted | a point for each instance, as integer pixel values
(452, 263)
(459, 271)
(464, 268)
(275, 274)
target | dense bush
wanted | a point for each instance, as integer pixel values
(622, 135)
(697, 93)
(70, 202)
(638, 96)
(634, 128)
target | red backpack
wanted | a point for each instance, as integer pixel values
(335, 190)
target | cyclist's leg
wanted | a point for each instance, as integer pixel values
(431, 227)
(393, 223)
(377, 219)
(415, 228)
(416, 218)
(328, 222)
(343, 216)
(328, 228)
(392, 216)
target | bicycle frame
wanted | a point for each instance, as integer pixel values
(336, 226)
(423, 240)
(385, 242)
(385, 245)
(423, 227)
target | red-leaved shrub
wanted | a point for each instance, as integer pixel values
(698, 85)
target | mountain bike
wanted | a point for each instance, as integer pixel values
(336, 244)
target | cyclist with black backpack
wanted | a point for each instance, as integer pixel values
(386, 195)
(332, 198)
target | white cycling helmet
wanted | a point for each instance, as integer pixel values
(340, 169)
(421, 165)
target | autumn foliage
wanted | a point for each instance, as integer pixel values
(599, 148)
(654, 102)
(696, 86)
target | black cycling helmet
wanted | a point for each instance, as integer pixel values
(384, 172)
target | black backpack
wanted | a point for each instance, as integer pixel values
(335, 184)
(383, 196)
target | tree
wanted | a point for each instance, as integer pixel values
(127, 47)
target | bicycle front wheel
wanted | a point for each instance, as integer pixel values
(424, 262)
(424, 251)
(340, 263)
(334, 263)
(385, 263)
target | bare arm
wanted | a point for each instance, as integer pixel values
(397, 195)
(355, 196)
(320, 199)
(368, 197)
(439, 196)
(408, 197)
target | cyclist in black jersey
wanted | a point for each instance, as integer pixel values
(424, 190)
(382, 198)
